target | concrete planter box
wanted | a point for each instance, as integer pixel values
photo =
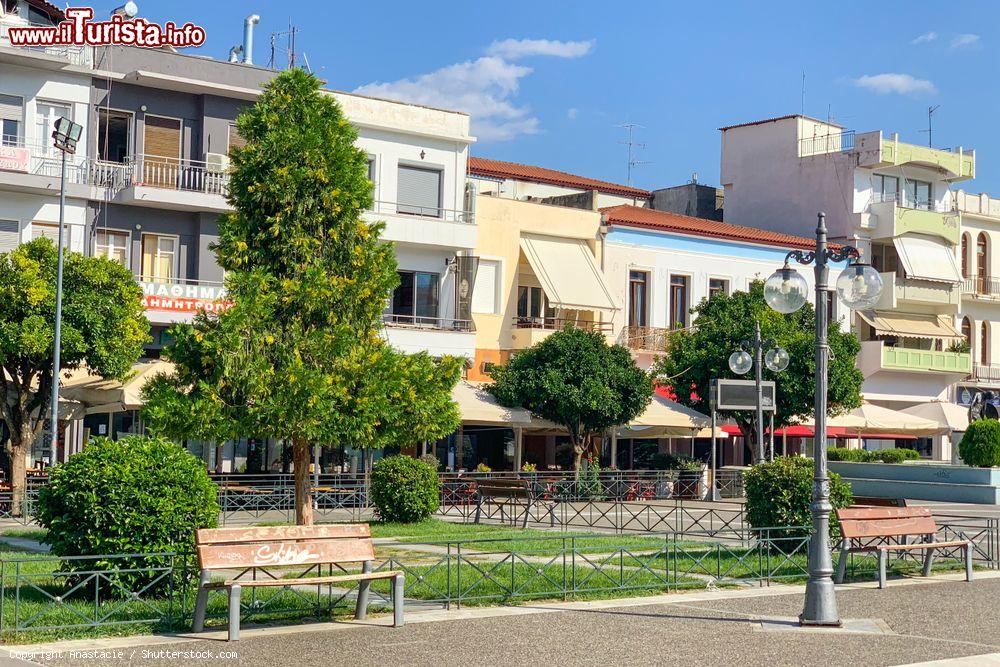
(919, 481)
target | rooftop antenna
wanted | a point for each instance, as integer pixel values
(632, 146)
(288, 49)
(930, 125)
(802, 102)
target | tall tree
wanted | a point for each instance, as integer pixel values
(299, 356)
(697, 356)
(575, 379)
(103, 328)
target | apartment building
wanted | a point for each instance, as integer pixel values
(891, 199)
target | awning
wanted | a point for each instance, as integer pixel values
(100, 395)
(946, 414)
(479, 407)
(568, 273)
(926, 258)
(664, 418)
(872, 420)
(906, 325)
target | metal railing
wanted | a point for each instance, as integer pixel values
(982, 286)
(904, 200)
(179, 174)
(556, 323)
(435, 212)
(75, 55)
(986, 372)
(834, 142)
(421, 322)
(646, 338)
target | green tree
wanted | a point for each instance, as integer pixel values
(103, 328)
(299, 356)
(698, 355)
(575, 379)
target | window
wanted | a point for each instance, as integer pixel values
(235, 140)
(885, 188)
(159, 258)
(531, 304)
(484, 294)
(965, 255)
(11, 112)
(45, 122)
(113, 245)
(717, 286)
(984, 344)
(982, 258)
(678, 302)
(919, 195)
(49, 231)
(416, 297)
(10, 235)
(638, 299)
(967, 331)
(114, 135)
(419, 191)
(371, 168)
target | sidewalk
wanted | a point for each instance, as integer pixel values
(915, 621)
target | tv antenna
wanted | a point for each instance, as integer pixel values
(930, 125)
(802, 101)
(632, 147)
(288, 36)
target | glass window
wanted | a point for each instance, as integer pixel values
(967, 331)
(638, 282)
(982, 256)
(965, 255)
(45, 122)
(11, 131)
(919, 194)
(113, 245)
(678, 302)
(159, 258)
(531, 304)
(717, 286)
(984, 343)
(114, 135)
(416, 297)
(11, 112)
(886, 188)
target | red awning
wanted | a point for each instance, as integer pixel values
(799, 431)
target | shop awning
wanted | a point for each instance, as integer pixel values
(568, 273)
(926, 258)
(872, 420)
(100, 395)
(478, 407)
(946, 414)
(905, 325)
(664, 418)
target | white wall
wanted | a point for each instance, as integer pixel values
(48, 86)
(28, 208)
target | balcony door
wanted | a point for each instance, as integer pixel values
(416, 299)
(638, 299)
(114, 135)
(161, 152)
(46, 114)
(159, 258)
(982, 263)
(533, 308)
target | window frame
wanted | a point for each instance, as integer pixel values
(497, 284)
(142, 254)
(685, 314)
(879, 193)
(726, 285)
(436, 168)
(412, 315)
(647, 279)
(130, 152)
(49, 149)
(114, 232)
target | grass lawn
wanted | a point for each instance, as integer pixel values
(37, 534)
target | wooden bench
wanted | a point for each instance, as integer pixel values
(871, 501)
(880, 529)
(236, 552)
(509, 491)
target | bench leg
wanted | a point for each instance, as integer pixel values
(201, 603)
(234, 612)
(968, 562)
(361, 611)
(883, 559)
(842, 561)
(397, 600)
(928, 561)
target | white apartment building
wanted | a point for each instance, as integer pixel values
(891, 199)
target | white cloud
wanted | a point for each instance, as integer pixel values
(961, 41)
(572, 113)
(889, 82)
(513, 49)
(924, 38)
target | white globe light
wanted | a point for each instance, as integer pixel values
(740, 362)
(859, 286)
(776, 359)
(785, 291)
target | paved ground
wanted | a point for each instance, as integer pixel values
(925, 621)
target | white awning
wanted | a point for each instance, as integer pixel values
(911, 325)
(665, 418)
(479, 407)
(568, 273)
(100, 395)
(925, 258)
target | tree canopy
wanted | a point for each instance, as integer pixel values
(103, 328)
(698, 355)
(575, 379)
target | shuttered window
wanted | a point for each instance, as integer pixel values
(235, 140)
(10, 235)
(51, 231)
(484, 296)
(419, 191)
(11, 113)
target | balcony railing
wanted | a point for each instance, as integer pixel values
(904, 200)
(827, 143)
(179, 174)
(421, 322)
(986, 372)
(646, 338)
(987, 287)
(399, 208)
(556, 323)
(74, 55)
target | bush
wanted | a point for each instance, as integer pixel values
(779, 493)
(134, 496)
(404, 489)
(897, 455)
(431, 460)
(980, 446)
(666, 461)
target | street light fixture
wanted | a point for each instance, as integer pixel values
(858, 286)
(740, 362)
(65, 137)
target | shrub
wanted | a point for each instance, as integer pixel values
(134, 496)
(897, 455)
(980, 446)
(431, 460)
(779, 493)
(852, 455)
(666, 461)
(404, 489)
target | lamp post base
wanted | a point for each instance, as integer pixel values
(821, 604)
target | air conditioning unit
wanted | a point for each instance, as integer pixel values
(216, 162)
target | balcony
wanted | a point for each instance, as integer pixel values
(892, 217)
(169, 300)
(179, 184)
(440, 227)
(877, 356)
(875, 150)
(896, 288)
(435, 335)
(645, 339)
(527, 331)
(982, 287)
(986, 373)
(81, 56)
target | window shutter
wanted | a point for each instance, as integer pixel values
(484, 294)
(11, 107)
(419, 191)
(10, 235)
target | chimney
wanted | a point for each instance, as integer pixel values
(248, 24)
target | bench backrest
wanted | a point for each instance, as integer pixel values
(862, 522)
(227, 548)
(503, 488)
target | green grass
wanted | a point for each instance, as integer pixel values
(37, 534)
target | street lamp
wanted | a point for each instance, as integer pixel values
(65, 137)
(740, 362)
(859, 286)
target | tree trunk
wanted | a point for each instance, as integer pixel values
(303, 488)
(579, 447)
(18, 469)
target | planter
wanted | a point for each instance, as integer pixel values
(959, 484)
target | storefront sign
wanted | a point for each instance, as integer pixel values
(13, 158)
(180, 298)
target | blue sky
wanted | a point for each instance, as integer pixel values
(548, 82)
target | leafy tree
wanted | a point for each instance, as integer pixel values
(299, 355)
(698, 355)
(103, 328)
(575, 379)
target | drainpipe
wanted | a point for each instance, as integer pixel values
(248, 24)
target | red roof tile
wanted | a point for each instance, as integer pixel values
(525, 172)
(635, 216)
(777, 118)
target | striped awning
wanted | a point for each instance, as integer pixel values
(907, 325)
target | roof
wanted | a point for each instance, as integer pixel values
(777, 118)
(525, 172)
(635, 216)
(49, 8)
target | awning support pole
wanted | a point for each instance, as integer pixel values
(518, 447)
(614, 447)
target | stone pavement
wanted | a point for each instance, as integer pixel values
(915, 620)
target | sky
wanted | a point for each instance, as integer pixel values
(551, 83)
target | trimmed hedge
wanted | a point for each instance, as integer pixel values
(779, 494)
(404, 489)
(667, 461)
(980, 446)
(897, 455)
